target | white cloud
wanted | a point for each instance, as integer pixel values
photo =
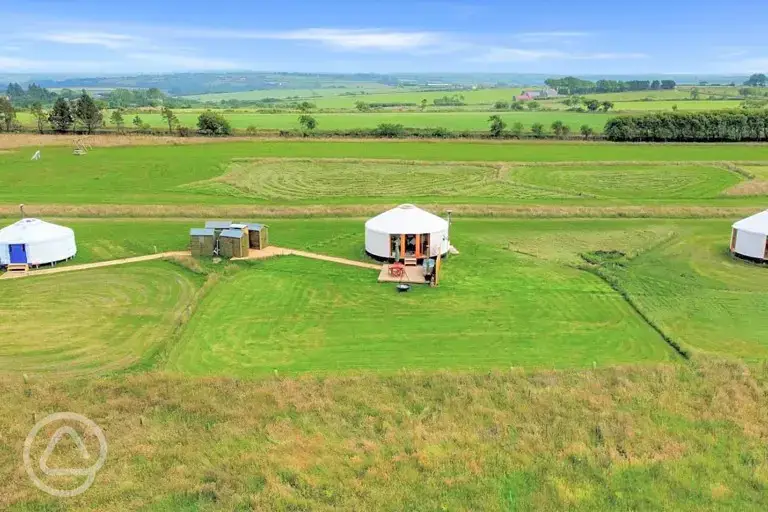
(502, 54)
(105, 39)
(348, 39)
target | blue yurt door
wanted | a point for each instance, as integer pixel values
(18, 253)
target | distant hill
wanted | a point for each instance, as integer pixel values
(181, 84)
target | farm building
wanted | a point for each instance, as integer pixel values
(233, 243)
(537, 95)
(202, 241)
(218, 225)
(749, 237)
(227, 239)
(35, 242)
(406, 232)
(258, 236)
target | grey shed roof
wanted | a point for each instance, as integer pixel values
(232, 233)
(218, 224)
(255, 227)
(201, 232)
(238, 226)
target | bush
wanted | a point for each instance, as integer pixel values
(537, 130)
(184, 131)
(715, 126)
(251, 130)
(213, 123)
(390, 130)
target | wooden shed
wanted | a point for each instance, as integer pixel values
(258, 235)
(218, 225)
(233, 243)
(202, 241)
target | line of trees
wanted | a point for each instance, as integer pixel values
(572, 85)
(713, 126)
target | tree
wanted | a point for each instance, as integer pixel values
(170, 118)
(668, 84)
(695, 93)
(118, 120)
(757, 80)
(7, 113)
(137, 122)
(39, 114)
(586, 131)
(61, 118)
(306, 106)
(308, 122)
(674, 108)
(88, 113)
(606, 106)
(497, 126)
(560, 129)
(423, 104)
(655, 85)
(537, 129)
(362, 106)
(592, 105)
(501, 105)
(533, 105)
(517, 130)
(213, 123)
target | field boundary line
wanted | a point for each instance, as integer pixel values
(614, 283)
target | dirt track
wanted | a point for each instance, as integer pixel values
(87, 266)
(269, 252)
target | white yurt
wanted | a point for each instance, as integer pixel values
(406, 232)
(35, 242)
(750, 236)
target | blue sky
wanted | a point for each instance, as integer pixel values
(590, 37)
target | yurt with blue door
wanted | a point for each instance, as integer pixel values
(35, 242)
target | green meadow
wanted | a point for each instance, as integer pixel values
(576, 363)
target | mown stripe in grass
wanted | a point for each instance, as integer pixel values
(365, 210)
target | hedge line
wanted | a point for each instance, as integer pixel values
(711, 126)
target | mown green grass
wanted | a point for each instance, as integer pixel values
(632, 181)
(159, 174)
(702, 297)
(92, 321)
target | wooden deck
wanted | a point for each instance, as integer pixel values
(413, 275)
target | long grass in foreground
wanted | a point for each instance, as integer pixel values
(666, 437)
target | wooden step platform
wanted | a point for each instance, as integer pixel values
(18, 268)
(410, 262)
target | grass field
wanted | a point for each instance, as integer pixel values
(92, 321)
(317, 317)
(173, 174)
(456, 121)
(562, 364)
(310, 94)
(687, 438)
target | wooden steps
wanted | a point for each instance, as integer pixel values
(18, 268)
(410, 262)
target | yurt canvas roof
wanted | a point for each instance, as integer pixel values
(29, 231)
(757, 223)
(407, 219)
